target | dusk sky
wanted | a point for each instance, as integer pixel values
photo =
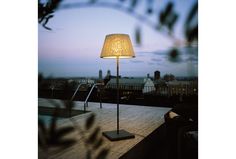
(73, 47)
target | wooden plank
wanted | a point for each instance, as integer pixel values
(139, 120)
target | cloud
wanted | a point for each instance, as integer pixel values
(144, 53)
(192, 59)
(156, 59)
(136, 61)
(155, 64)
(151, 63)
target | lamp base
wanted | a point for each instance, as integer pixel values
(113, 136)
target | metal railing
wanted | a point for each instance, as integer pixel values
(86, 100)
(76, 91)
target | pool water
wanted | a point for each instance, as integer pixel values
(47, 119)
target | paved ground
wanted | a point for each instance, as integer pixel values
(139, 120)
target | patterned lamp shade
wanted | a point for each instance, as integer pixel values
(117, 46)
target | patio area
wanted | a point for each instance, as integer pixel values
(139, 120)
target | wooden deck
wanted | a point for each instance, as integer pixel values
(139, 120)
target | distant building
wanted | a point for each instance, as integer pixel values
(145, 85)
(169, 77)
(182, 87)
(148, 86)
(108, 73)
(173, 88)
(84, 80)
(157, 75)
(161, 87)
(100, 75)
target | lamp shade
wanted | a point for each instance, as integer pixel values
(117, 46)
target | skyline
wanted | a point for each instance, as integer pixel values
(105, 72)
(73, 47)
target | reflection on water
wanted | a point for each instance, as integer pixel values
(47, 119)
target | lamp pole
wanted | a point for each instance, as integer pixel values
(117, 46)
(117, 86)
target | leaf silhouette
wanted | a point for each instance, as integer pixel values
(64, 131)
(149, 6)
(42, 134)
(42, 125)
(88, 154)
(103, 154)
(172, 20)
(45, 11)
(93, 1)
(93, 136)
(164, 14)
(134, 3)
(174, 55)
(46, 18)
(138, 35)
(169, 8)
(53, 125)
(54, 103)
(98, 143)
(168, 17)
(53, 4)
(192, 12)
(66, 142)
(192, 33)
(69, 104)
(89, 121)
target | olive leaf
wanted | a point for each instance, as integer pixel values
(45, 11)
(174, 55)
(149, 9)
(133, 4)
(103, 154)
(98, 143)
(90, 121)
(69, 104)
(54, 136)
(138, 35)
(191, 31)
(88, 154)
(92, 138)
(66, 143)
(63, 131)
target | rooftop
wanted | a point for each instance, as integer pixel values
(139, 120)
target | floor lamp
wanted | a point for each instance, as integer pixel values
(117, 46)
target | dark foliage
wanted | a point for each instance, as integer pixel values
(88, 154)
(90, 121)
(138, 35)
(54, 136)
(102, 154)
(174, 55)
(98, 143)
(46, 10)
(168, 17)
(40, 78)
(94, 141)
(69, 105)
(92, 138)
(133, 4)
(191, 25)
(149, 9)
